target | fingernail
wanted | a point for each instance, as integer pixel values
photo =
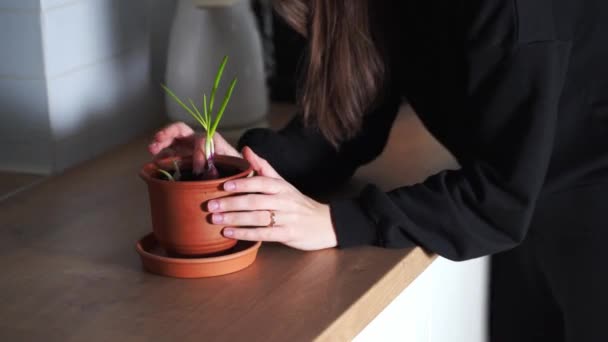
(217, 218)
(229, 186)
(228, 232)
(213, 205)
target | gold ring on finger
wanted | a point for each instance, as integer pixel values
(273, 218)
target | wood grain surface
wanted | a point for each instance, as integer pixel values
(70, 271)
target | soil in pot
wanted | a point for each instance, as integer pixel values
(188, 176)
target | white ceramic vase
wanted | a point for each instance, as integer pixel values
(199, 38)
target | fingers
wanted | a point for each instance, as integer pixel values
(259, 165)
(166, 136)
(223, 147)
(259, 218)
(246, 203)
(165, 153)
(259, 184)
(274, 234)
(172, 151)
(198, 157)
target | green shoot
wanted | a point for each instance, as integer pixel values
(177, 99)
(202, 120)
(205, 107)
(216, 83)
(220, 113)
(166, 174)
(177, 175)
(205, 116)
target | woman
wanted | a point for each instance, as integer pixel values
(515, 90)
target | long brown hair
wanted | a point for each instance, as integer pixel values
(344, 70)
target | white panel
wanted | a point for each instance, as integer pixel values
(460, 292)
(407, 318)
(101, 106)
(82, 33)
(25, 143)
(23, 110)
(47, 4)
(20, 45)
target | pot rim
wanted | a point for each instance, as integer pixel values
(144, 172)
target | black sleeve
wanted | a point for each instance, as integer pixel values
(305, 158)
(500, 126)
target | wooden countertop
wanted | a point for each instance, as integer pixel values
(70, 272)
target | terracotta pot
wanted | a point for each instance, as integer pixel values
(180, 219)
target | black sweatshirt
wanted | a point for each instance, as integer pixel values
(516, 90)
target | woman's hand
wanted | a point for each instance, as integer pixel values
(299, 221)
(178, 139)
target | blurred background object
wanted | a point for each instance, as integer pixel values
(212, 3)
(199, 38)
(78, 77)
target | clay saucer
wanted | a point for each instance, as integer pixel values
(156, 260)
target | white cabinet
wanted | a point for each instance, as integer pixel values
(447, 302)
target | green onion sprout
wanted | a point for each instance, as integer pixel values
(206, 117)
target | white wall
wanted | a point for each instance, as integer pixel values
(24, 126)
(75, 80)
(98, 75)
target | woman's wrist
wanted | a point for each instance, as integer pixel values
(351, 225)
(330, 231)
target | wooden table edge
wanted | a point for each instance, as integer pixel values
(361, 312)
